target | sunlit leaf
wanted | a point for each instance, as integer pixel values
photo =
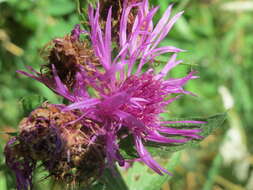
(139, 177)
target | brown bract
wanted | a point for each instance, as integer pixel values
(67, 55)
(72, 153)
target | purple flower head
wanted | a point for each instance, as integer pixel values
(126, 99)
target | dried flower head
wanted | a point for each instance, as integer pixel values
(72, 153)
(67, 54)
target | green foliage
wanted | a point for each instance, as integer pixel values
(213, 123)
(12, 134)
(139, 177)
(92, 2)
(156, 149)
(60, 8)
(30, 103)
(213, 172)
(127, 149)
(111, 180)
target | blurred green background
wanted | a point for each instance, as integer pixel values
(218, 37)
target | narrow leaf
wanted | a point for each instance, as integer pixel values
(31, 102)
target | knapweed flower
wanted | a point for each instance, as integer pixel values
(125, 94)
(70, 152)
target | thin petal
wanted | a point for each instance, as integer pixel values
(82, 104)
(146, 157)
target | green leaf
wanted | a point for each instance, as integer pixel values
(127, 148)
(31, 102)
(140, 177)
(213, 172)
(2, 180)
(110, 181)
(13, 134)
(213, 123)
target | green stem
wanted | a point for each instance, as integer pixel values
(213, 172)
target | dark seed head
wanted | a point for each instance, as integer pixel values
(71, 153)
